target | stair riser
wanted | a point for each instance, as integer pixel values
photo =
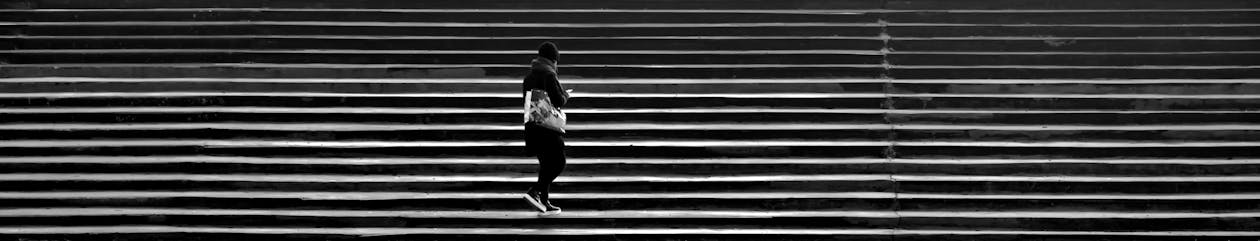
(626, 151)
(510, 204)
(70, 30)
(944, 187)
(646, 4)
(1099, 224)
(1066, 31)
(909, 72)
(568, 187)
(1119, 17)
(1075, 103)
(461, 135)
(540, 223)
(1075, 45)
(1072, 4)
(948, 187)
(159, 71)
(1070, 152)
(1072, 224)
(1205, 17)
(609, 151)
(457, 4)
(575, 168)
(525, 16)
(512, 85)
(1188, 87)
(493, 135)
(1229, 59)
(568, 44)
(478, 118)
(1002, 72)
(1156, 135)
(611, 237)
(466, 102)
(1075, 118)
(613, 59)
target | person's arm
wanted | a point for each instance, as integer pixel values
(556, 90)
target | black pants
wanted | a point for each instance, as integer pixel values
(548, 146)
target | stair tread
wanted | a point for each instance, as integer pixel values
(576, 94)
(64, 212)
(360, 231)
(461, 24)
(423, 110)
(340, 127)
(516, 160)
(613, 10)
(519, 178)
(306, 195)
(604, 81)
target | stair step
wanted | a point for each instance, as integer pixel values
(229, 70)
(1066, 5)
(1056, 184)
(441, 183)
(770, 201)
(1131, 16)
(451, 4)
(440, 132)
(1133, 44)
(900, 86)
(1099, 16)
(467, 43)
(383, 86)
(1068, 30)
(579, 148)
(1063, 220)
(597, 167)
(423, 57)
(467, 100)
(1240, 102)
(997, 58)
(870, 29)
(438, 15)
(1075, 101)
(1171, 88)
(114, 232)
(513, 115)
(1071, 72)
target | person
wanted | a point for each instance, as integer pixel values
(546, 144)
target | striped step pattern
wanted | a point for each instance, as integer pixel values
(691, 120)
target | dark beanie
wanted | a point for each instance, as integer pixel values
(548, 50)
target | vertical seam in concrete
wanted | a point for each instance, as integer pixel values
(890, 151)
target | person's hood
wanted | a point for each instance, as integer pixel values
(543, 64)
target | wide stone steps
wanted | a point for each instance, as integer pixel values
(618, 57)
(691, 120)
(747, 131)
(648, 4)
(768, 201)
(1007, 16)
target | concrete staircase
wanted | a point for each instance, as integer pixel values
(692, 120)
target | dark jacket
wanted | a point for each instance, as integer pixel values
(542, 75)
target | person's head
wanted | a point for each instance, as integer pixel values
(549, 50)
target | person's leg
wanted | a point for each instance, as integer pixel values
(536, 143)
(551, 164)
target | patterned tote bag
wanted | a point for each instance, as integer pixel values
(538, 110)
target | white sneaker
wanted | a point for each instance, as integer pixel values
(534, 200)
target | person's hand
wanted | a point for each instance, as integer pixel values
(568, 91)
